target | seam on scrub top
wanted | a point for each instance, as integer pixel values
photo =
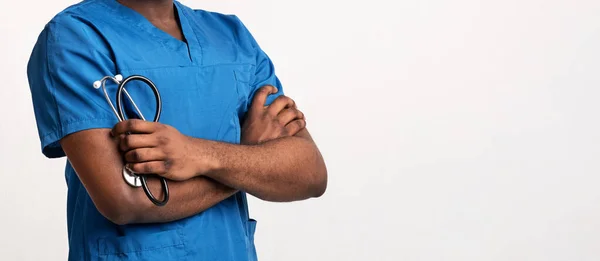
(237, 77)
(72, 122)
(141, 250)
(59, 130)
(182, 237)
(181, 12)
(52, 85)
(79, 6)
(137, 24)
(191, 66)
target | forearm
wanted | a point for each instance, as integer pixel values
(98, 163)
(281, 170)
(187, 198)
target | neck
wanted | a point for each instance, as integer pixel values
(153, 10)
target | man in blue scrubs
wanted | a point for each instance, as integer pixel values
(226, 130)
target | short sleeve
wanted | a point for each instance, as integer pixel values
(67, 58)
(264, 74)
(264, 70)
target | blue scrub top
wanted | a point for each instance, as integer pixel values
(206, 83)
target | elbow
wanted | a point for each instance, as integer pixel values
(318, 180)
(120, 211)
(319, 183)
(118, 217)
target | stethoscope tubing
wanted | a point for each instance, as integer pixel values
(119, 113)
(121, 116)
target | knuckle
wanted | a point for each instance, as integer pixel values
(148, 168)
(272, 113)
(276, 122)
(167, 164)
(127, 141)
(124, 143)
(136, 155)
(280, 121)
(286, 99)
(291, 112)
(162, 140)
(137, 168)
(164, 154)
(265, 90)
(128, 157)
(266, 115)
(131, 124)
(301, 123)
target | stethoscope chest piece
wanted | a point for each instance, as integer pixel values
(131, 179)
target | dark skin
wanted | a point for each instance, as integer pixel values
(277, 160)
(160, 13)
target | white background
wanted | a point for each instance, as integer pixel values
(453, 130)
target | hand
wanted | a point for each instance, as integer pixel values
(155, 148)
(264, 123)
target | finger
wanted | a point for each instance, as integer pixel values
(279, 104)
(136, 141)
(151, 167)
(134, 126)
(144, 155)
(295, 126)
(260, 98)
(288, 115)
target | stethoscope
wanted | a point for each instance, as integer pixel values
(129, 176)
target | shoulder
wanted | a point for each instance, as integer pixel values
(79, 14)
(75, 25)
(71, 33)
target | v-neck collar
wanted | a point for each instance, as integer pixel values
(168, 40)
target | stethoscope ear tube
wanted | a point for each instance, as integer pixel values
(121, 115)
(145, 80)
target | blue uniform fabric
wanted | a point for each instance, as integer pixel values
(206, 83)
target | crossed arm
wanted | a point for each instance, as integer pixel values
(281, 163)
(98, 163)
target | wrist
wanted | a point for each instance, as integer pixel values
(207, 156)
